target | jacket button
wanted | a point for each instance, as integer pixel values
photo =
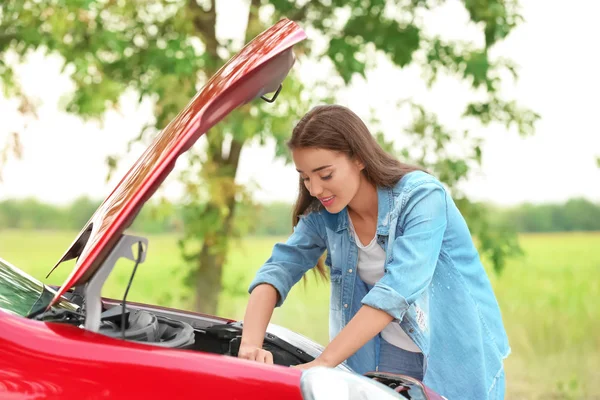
(345, 305)
(411, 330)
(350, 271)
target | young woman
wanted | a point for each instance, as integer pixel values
(408, 291)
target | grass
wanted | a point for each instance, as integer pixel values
(549, 300)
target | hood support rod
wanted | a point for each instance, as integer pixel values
(93, 289)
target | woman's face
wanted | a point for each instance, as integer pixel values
(330, 176)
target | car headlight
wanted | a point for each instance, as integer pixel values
(320, 383)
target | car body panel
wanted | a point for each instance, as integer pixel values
(70, 362)
(257, 69)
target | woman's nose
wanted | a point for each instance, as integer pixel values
(315, 189)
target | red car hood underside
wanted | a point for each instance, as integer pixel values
(257, 69)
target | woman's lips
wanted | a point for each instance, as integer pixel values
(327, 201)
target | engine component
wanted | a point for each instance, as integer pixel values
(145, 327)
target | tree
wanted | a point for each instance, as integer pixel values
(164, 50)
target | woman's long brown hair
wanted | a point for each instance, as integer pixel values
(337, 128)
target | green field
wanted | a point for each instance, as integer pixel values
(549, 299)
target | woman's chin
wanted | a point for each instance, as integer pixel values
(333, 209)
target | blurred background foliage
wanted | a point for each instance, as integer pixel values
(159, 217)
(164, 51)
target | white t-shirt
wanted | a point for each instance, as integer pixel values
(371, 258)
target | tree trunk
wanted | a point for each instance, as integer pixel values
(211, 259)
(216, 246)
(208, 279)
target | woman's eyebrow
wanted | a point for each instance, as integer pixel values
(317, 169)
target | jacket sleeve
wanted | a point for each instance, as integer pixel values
(289, 261)
(414, 252)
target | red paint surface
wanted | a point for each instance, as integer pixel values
(53, 361)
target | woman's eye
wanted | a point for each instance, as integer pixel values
(326, 178)
(304, 179)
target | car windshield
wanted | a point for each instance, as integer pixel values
(21, 293)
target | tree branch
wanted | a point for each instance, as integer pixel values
(235, 150)
(253, 28)
(205, 23)
(215, 143)
(7, 37)
(300, 13)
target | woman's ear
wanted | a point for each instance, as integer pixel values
(359, 163)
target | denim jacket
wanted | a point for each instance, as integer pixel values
(434, 285)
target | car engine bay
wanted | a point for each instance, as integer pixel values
(156, 329)
(180, 330)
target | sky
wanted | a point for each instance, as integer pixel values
(64, 157)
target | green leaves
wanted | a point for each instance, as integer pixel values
(499, 17)
(165, 50)
(369, 26)
(508, 113)
(344, 56)
(95, 99)
(497, 241)
(476, 67)
(462, 60)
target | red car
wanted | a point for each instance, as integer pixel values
(68, 342)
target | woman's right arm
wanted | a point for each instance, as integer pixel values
(289, 261)
(258, 314)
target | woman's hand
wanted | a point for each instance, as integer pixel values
(314, 363)
(367, 323)
(255, 353)
(258, 313)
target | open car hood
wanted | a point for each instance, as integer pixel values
(258, 69)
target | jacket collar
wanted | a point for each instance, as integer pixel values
(385, 203)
